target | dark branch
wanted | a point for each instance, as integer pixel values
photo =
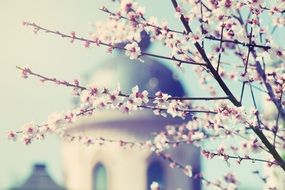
(206, 59)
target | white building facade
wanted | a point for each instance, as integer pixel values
(110, 167)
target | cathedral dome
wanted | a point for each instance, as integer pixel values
(149, 75)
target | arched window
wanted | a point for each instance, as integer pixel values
(100, 177)
(155, 172)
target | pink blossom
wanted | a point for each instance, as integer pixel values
(12, 136)
(188, 170)
(25, 72)
(133, 50)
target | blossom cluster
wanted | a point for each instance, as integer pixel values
(228, 43)
(224, 122)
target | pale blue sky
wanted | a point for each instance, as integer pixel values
(25, 100)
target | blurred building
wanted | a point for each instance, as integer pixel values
(39, 180)
(110, 167)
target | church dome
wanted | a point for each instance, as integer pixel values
(150, 75)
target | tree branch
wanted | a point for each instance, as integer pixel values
(206, 59)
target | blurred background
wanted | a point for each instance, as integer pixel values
(28, 100)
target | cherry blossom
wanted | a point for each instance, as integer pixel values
(232, 49)
(12, 136)
(154, 186)
(138, 98)
(188, 170)
(30, 129)
(25, 72)
(133, 50)
(176, 108)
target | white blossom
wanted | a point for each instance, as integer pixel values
(154, 186)
(133, 50)
(188, 170)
